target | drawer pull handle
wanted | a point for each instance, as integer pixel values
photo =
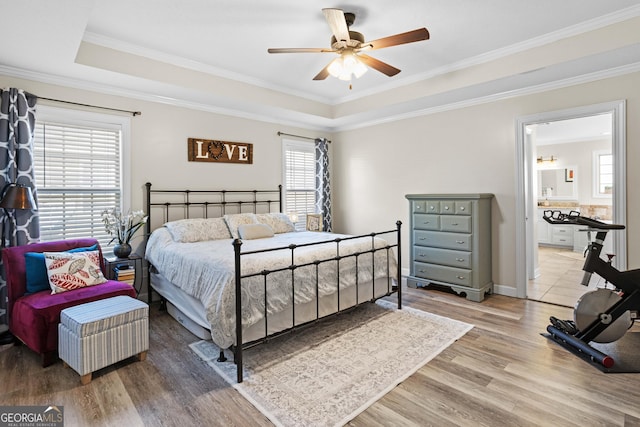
(460, 259)
(461, 208)
(423, 271)
(422, 238)
(426, 222)
(454, 224)
(422, 255)
(460, 242)
(461, 277)
(431, 207)
(446, 208)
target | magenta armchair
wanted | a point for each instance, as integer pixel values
(34, 317)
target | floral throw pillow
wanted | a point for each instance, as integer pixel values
(279, 222)
(68, 271)
(235, 220)
(198, 229)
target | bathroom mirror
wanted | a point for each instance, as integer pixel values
(558, 183)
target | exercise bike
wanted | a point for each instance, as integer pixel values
(603, 315)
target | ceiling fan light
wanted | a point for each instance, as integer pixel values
(345, 75)
(359, 69)
(349, 61)
(336, 67)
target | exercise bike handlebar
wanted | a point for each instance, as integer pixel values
(574, 218)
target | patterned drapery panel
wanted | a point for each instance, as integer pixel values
(17, 121)
(323, 183)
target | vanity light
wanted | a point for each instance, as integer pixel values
(549, 160)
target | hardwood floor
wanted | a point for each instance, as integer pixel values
(501, 373)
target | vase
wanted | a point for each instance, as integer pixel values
(122, 250)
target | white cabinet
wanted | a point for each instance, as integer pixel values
(554, 234)
(562, 235)
(543, 228)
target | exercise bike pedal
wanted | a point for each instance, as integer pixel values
(568, 326)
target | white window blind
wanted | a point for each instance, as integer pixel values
(78, 175)
(299, 180)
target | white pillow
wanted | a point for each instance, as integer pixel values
(254, 231)
(73, 270)
(235, 220)
(278, 221)
(198, 229)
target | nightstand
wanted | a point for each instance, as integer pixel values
(113, 264)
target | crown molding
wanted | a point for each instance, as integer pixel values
(530, 90)
(144, 96)
(574, 30)
(313, 123)
(178, 61)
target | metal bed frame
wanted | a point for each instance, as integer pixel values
(224, 200)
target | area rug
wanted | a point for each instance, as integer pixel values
(327, 374)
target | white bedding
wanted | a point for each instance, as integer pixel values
(205, 270)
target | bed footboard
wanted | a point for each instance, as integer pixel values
(390, 286)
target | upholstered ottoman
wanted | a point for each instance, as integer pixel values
(97, 334)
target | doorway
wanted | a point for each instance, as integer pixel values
(531, 192)
(572, 173)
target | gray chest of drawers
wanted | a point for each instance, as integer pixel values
(451, 242)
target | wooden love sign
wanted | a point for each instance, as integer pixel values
(205, 150)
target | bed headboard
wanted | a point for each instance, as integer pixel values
(180, 204)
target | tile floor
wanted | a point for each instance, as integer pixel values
(560, 277)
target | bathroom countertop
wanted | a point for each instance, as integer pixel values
(558, 205)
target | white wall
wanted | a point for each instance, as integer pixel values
(466, 150)
(579, 154)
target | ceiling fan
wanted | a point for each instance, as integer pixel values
(349, 45)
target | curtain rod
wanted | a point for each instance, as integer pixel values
(133, 113)
(300, 136)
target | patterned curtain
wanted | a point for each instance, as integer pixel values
(17, 121)
(323, 183)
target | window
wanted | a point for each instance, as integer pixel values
(603, 174)
(299, 180)
(78, 170)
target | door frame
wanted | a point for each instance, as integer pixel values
(525, 203)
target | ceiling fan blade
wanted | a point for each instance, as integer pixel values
(323, 74)
(300, 50)
(337, 23)
(376, 64)
(403, 38)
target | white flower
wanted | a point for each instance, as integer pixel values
(123, 227)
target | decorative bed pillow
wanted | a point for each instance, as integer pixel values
(235, 220)
(68, 271)
(36, 269)
(254, 231)
(198, 229)
(278, 221)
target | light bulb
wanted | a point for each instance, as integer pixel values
(359, 69)
(349, 61)
(336, 67)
